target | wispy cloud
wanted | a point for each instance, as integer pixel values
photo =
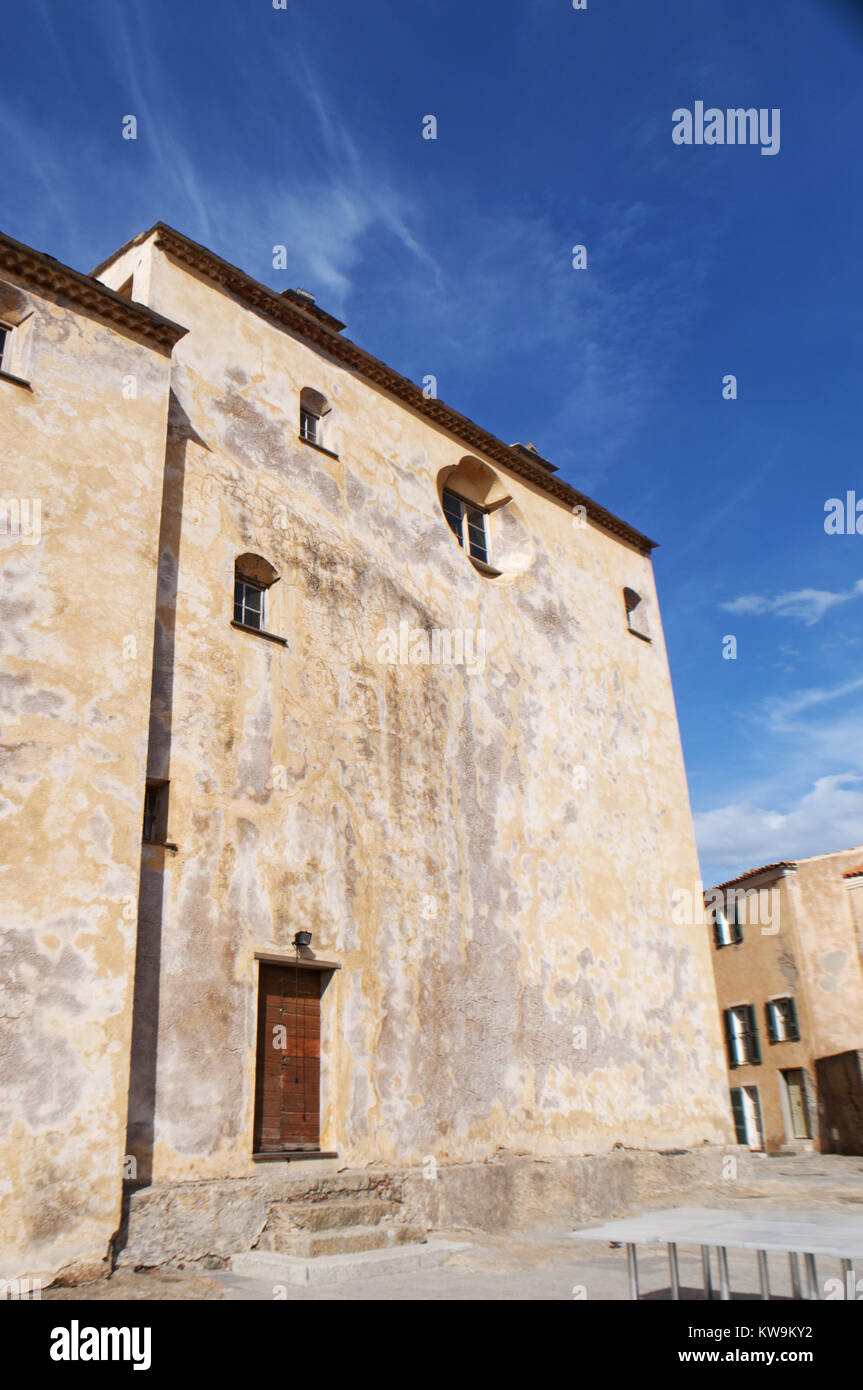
(809, 605)
(782, 710)
(342, 199)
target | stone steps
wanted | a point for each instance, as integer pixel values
(335, 1211)
(347, 1240)
(340, 1228)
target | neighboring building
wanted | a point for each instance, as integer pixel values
(788, 959)
(363, 672)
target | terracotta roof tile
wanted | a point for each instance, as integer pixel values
(751, 873)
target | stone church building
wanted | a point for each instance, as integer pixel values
(343, 800)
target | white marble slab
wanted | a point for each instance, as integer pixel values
(807, 1233)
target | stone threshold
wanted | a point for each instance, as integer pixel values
(295, 1156)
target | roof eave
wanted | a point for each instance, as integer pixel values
(290, 315)
(48, 274)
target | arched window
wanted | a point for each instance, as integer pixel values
(313, 410)
(16, 323)
(468, 524)
(636, 614)
(253, 576)
(481, 514)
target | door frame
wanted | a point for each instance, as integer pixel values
(753, 1117)
(327, 968)
(788, 1109)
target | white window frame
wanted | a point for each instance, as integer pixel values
(780, 1021)
(258, 588)
(751, 1101)
(463, 535)
(306, 416)
(738, 1034)
(728, 927)
(5, 355)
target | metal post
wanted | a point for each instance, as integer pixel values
(674, 1271)
(632, 1267)
(763, 1276)
(849, 1280)
(811, 1277)
(705, 1271)
(794, 1264)
(724, 1289)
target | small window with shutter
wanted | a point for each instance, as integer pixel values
(726, 929)
(735, 928)
(741, 1036)
(782, 1025)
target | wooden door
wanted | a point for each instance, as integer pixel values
(288, 1071)
(797, 1104)
(840, 1102)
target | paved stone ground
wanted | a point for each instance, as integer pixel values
(540, 1265)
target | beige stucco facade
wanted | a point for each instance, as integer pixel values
(82, 464)
(802, 941)
(487, 850)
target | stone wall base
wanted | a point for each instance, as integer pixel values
(208, 1222)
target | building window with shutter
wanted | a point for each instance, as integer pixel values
(727, 931)
(741, 1036)
(782, 1024)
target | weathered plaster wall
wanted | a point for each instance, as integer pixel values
(854, 890)
(178, 1224)
(429, 825)
(76, 633)
(830, 950)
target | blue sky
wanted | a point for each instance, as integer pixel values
(302, 127)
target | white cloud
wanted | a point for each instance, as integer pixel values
(810, 801)
(743, 835)
(809, 605)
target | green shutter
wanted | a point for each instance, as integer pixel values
(737, 1112)
(794, 1029)
(754, 1045)
(729, 1039)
